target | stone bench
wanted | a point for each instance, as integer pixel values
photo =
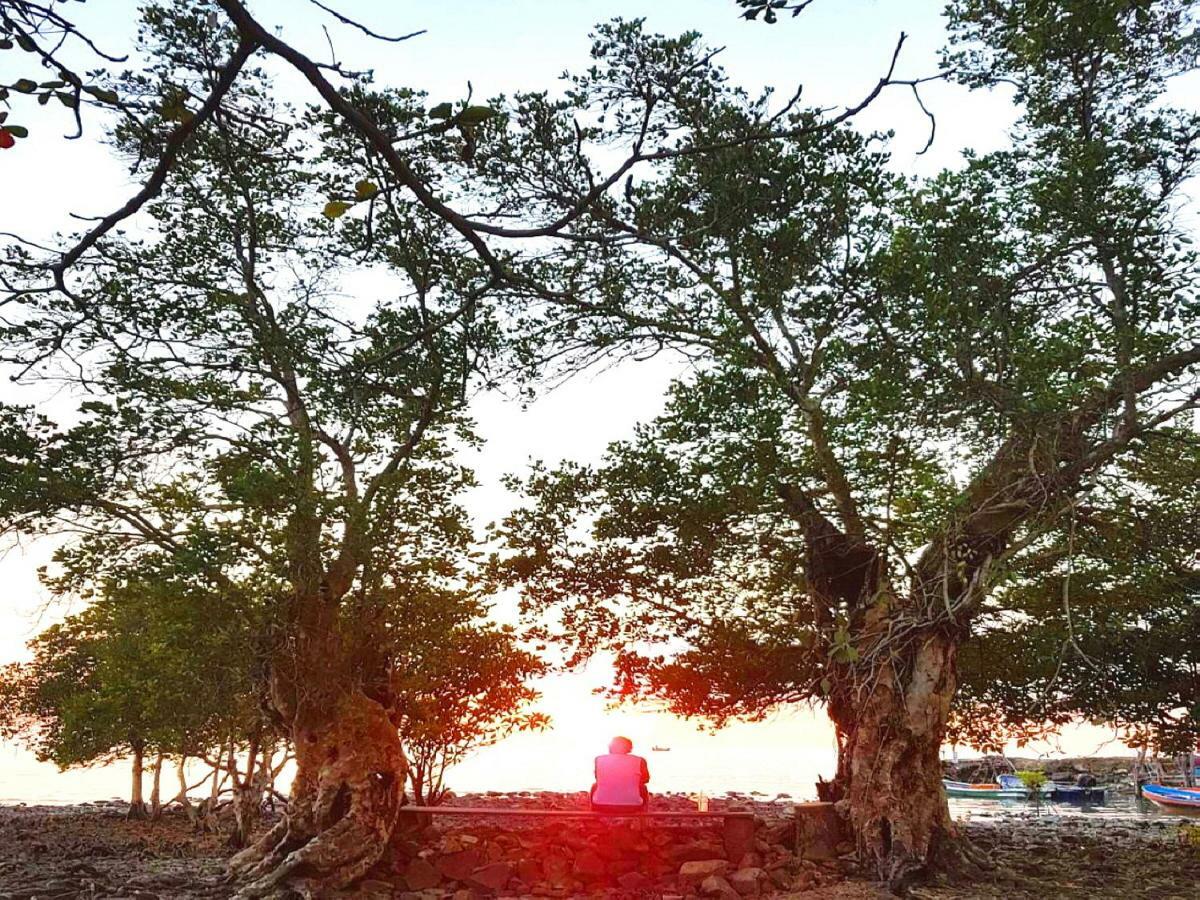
(738, 833)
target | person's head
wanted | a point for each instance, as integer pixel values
(620, 745)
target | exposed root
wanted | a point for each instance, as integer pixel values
(344, 806)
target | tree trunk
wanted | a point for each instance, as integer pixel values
(137, 805)
(156, 789)
(889, 781)
(350, 774)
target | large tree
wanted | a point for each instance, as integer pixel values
(899, 385)
(241, 419)
(391, 379)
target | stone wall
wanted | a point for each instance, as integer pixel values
(464, 857)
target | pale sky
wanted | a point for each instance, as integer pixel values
(837, 50)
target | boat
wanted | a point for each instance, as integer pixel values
(1003, 789)
(1176, 799)
(1010, 787)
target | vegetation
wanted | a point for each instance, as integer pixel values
(917, 411)
(900, 387)
(1102, 624)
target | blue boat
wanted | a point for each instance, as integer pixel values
(1176, 799)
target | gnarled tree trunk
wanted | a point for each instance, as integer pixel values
(350, 774)
(889, 782)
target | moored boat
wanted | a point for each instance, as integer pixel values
(990, 790)
(1172, 798)
(1010, 787)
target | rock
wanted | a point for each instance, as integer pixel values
(458, 866)
(750, 861)
(635, 881)
(697, 850)
(695, 871)
(374, 889)
(529, 870)
(421, 875)
(588, 864)
(819, 830)
(493, 877)
(747, 881)
(716, 886)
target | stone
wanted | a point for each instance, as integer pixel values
(373, 889)
(589, 864)
(635, 881)
(747, 881)
(819, 830)
(738, 837)
(716, 886)
(695, 871)
(458, 866)
(751, 860)
(695, 851)
(529, 870)
(421, 875)
(493, 877)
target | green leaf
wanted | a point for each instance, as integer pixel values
(441, 111)
(17, 131)
(335, 209)
(68, 100)
(473, 115)
(25, 85)
(365, 190)
(5, 44)
(26, 43)
(102, 94)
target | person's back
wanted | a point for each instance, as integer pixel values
(621, 779)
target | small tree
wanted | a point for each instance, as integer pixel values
(471, 691)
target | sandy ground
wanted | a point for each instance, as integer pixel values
(93, 852)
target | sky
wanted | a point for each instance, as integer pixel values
(837, 50)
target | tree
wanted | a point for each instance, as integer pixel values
(238, 422)
(464, 690)
(899, 388)
(148, 668)
(193, 120)
(1106, 632)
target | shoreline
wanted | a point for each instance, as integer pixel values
(91, 851)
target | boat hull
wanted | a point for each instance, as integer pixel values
(1173, 798)
(1059, 793)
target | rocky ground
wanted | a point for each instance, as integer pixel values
(91, 851)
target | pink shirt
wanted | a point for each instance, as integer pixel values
(619, 779)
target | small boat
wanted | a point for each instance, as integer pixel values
(658, 749)
(1004, 789)
(1010, 787)
(1172, 798)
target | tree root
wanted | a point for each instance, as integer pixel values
(344, 806)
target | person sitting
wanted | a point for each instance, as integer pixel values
(621, 780)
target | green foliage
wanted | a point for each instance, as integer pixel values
(1101, 624)
(900, 353)
(153, 663)
(1033, 780)
(459, 684)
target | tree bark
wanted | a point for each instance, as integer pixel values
(137, 805)
(350, 774)
(889, 783)
(156, 789)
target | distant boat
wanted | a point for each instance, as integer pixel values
(658, 749)
(1173, 798)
